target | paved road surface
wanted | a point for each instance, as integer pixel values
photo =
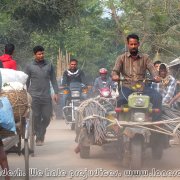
(57, 156)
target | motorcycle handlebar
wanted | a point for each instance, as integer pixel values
(138, 80)
(62, 87)
(66, 86)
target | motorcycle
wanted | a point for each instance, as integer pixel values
(105, 91)
(109, 93)
(136, 139)
(75, 93)
(125, 126)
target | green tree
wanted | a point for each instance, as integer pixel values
(80, 27)
(157, 23)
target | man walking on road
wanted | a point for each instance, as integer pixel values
(41, 73)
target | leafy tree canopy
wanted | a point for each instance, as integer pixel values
(42, 14)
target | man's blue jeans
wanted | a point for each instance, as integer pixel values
(155, 98)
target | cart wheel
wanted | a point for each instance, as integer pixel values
(32, 145)
(31, 134)
(84, 152)
(26, 158)
(73, 126)
(19, 145)
(157, 145)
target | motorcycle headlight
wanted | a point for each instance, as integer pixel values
(139, 117)
(139, 102)
(75, 94)
(65, 91)
(85, 90)
(105, 93)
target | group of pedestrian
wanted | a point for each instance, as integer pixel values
(40, 74)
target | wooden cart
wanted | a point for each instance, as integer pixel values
(21, 143)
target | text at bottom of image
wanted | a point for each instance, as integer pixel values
(87, 173)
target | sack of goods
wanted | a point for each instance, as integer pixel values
(17, 96)
(13, 87)
(10, 75)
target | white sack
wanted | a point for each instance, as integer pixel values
(13, 86)
(11, 75)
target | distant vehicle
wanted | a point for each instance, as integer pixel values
(76, 93)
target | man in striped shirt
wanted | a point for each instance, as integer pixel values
(167, 86)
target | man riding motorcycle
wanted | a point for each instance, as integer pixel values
(103, 81)
(73, 74)
(132, 65)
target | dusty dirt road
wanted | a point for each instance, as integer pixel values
(57, 160)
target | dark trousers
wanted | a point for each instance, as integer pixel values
(155, 98)
(42, 113)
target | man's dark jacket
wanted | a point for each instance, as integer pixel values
(40, 74)
(76, 76)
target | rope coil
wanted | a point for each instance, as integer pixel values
(93, 114)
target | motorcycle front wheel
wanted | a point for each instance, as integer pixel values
(136, 153)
